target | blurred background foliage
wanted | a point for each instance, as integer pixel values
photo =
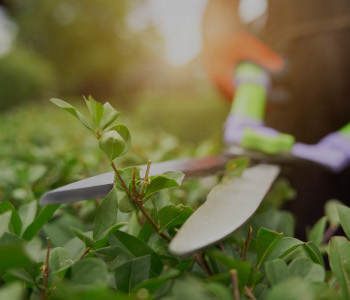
(86, 47)
(74, 48)
(67, 49)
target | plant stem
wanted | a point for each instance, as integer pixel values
(46, 272)
(202, 262)
(235, 289)
(137, 199)
(86, 252)
(247, 242)
(133, 180)
(139, 204)
(249, 293)
(144, 184)
(222, 248)
(120, 178)
(98, 134)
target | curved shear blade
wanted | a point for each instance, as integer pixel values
(229, 205)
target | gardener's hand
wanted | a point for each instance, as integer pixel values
(222, 52)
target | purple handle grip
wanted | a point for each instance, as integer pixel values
(332, 151)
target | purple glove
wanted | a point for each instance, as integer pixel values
(332, 151)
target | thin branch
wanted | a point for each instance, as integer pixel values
(196, 206)
(249, 293)
(247, 242)
(139, 204)
(86, 252)
(46, 272)
(145, 180)
(222, 248)
(120, 178)
(98, 134)
(137, 199)
(235, 288)
(202, 262)
(134, 180)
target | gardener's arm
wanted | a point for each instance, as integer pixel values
(225, 44)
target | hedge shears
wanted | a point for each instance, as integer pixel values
(230, 204)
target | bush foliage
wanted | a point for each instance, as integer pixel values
(108, 249)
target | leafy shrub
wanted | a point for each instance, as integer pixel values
(105, 249)
(24, 76)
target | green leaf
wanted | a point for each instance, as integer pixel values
(172, 216)
(306, 269)
(261, 290)
(242, 267)
(132, 273)
(72, 110)
(109, 116)
(314, 253)
(317, 232)
(136, 248)
(5, 220)
(27, 213)
(344, 218)
(146, 231)
(115, 227)
(15, 221)
(166, 180)
(9, 238)
(89, 271)
(219, 290)
(190, 287)
(332, 212)
(125, 205)
(58, 228)
(60, 260)
(24, 275)
(292, 288)
(13, 255)
(83, 236)
(160, 246)
(114, 256)
(276, 271)
(273, 219)
(322, 291)
(13, 291)
(124, 132)
(295, 288)
(237, 166)
(75, 247)
(286, 247)
(106, 215)
(184, 265)
(339, 260)
(153, 284)
(95, 109)
(43, 217)
(266, 242)
(112, 144)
